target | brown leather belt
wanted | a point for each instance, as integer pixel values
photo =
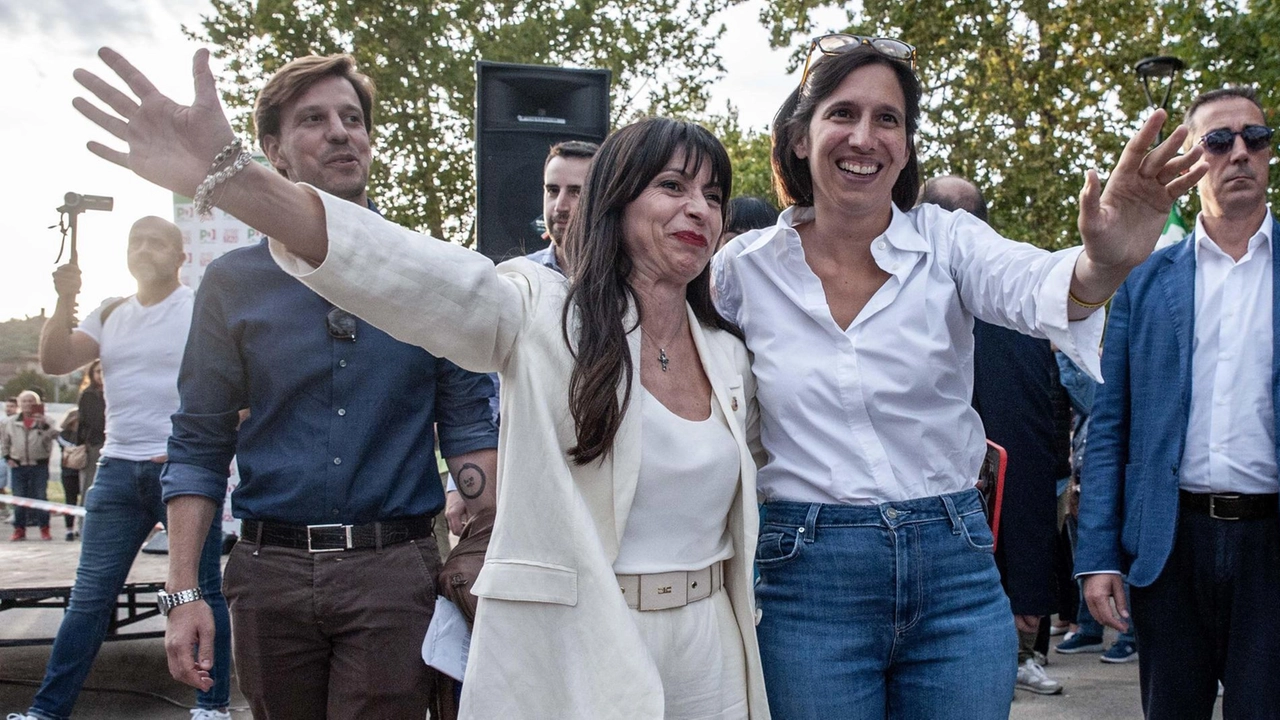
(337, 537)
(1230, 506)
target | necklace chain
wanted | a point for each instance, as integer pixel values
(663, 360)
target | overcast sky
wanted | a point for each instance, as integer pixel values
(42, 42)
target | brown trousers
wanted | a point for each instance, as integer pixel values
(332, 635)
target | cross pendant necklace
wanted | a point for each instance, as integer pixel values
(663, 360)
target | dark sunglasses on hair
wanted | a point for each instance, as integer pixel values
(341, 324)
(1220, 141)
(837, 43)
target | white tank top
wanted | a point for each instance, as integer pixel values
(689, 472)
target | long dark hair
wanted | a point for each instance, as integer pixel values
(600, 291)
(87, 381)
(791, 178)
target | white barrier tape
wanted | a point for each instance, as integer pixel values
(53, 507)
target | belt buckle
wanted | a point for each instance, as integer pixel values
(1213, 506)
(662, 591)
(347, 538)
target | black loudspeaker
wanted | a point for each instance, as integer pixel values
(521, 111)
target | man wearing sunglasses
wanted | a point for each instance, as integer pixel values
(333, 582)
(1180, 474)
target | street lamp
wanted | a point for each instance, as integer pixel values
(1161, 68)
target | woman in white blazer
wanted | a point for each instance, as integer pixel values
(618, 580)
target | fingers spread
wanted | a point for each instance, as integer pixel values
(131, 76)
(101, 118)
(124, 105)
(106, 153)
(1184, 182)
(1160, 156)
(1136, 148)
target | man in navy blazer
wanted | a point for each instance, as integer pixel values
(1180, 476)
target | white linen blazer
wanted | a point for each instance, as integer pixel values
(553, 637)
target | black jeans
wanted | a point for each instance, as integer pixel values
(1213, 614)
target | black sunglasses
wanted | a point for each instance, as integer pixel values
(341, 324)
(1220, 141)
(836, 43)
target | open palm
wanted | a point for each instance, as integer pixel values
(169, 144)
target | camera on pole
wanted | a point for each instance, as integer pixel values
(72, 205)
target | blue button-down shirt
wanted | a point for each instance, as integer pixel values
(338, 431)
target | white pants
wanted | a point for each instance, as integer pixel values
(698, 652)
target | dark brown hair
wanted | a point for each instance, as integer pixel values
(296, 77)
(1244, 92)
(600, 291)
(572, 149)
(791, 178)
(87, 381)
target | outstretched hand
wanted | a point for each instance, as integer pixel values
(1121, 223)
(169, 144)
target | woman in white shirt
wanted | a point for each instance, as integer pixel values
(617, 581)
(879, 592)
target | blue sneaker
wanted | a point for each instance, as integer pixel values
(1077, 643)
(1122, 651)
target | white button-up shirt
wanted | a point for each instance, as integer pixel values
(881, 411)
(1231, 429)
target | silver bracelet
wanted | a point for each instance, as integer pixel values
(203, 199)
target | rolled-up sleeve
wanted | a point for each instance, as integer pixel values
(211, 389)
(464, 416)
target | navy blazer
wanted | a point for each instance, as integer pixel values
(1129, 484)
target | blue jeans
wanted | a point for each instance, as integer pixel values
(122, 507)
(31, 481)
(888, 611)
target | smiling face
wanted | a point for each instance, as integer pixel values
(1237, 179)
(670, 229)
(856, 144)
(323, 140)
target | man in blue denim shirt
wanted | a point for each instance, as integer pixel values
(332, 585)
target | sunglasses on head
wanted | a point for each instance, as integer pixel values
(341, 324)
(1220, 141)
(837, 43)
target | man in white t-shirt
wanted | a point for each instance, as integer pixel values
(140, 340)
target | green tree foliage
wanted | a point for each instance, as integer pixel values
(30, 380)
(749, 151)
(422, 58)
(1024, 96)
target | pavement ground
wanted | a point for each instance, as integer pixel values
(130, 681)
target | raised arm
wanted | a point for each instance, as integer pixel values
(174, 145)
(1120, 224)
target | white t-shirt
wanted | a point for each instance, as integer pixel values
(141, 350)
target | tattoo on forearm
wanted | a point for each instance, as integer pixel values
(471, 481)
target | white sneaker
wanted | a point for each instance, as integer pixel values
(20, 716)
(1031, 677)
(207, 714)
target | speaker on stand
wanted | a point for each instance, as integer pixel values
(521, 111)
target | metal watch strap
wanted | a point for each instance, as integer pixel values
(168, 601)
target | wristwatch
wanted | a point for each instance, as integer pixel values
(168, 601)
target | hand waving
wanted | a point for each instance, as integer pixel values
(170, 145)
(1120, 223)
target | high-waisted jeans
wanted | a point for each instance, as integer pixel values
(884, 611)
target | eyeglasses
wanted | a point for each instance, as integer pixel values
(341, 324)
(1220, 141)
(837, 43)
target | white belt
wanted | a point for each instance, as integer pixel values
(663, 591)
